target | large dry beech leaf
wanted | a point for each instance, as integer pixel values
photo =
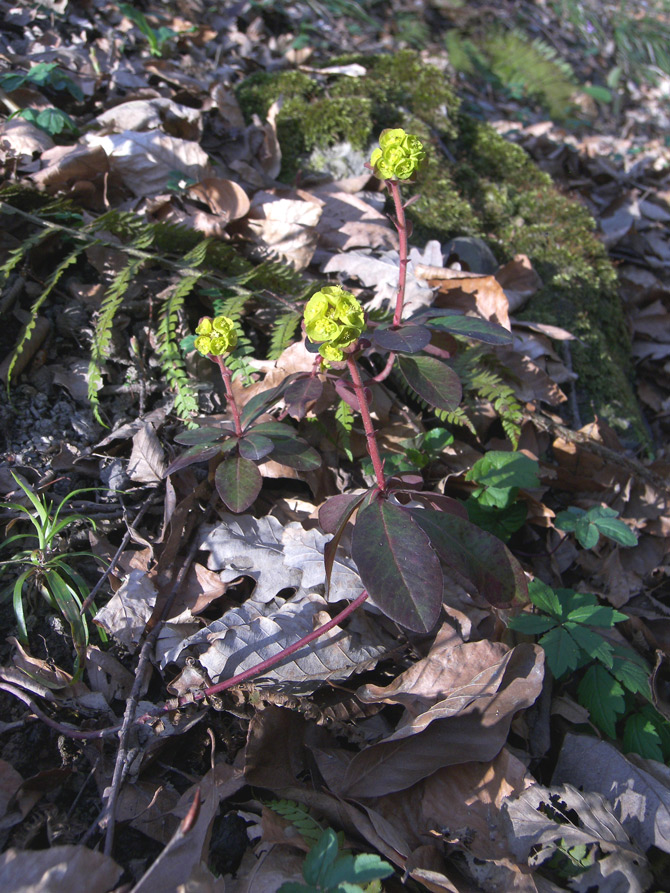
(157, 113)
(283, 226)
(256, 631)
(60, 869)
(531, 827)
(462, 713)
(637, 789)
(278, 556)
(145, 160)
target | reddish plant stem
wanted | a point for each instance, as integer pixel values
(386, 371)
(373, 449)
(401, 226)
(276, 658)
(227, 383)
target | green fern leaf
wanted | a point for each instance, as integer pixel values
(344, 423)
(299, 817)
(17, 254)
(283, 333)
(51, 283)
(172, 362)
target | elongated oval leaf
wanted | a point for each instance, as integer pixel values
(402, 339)
(275, 430)
(258, 404)
(301, 393)
(472, 327)
(204, 435)
(255, 446)
(197, 453)
(433, 381)
(238, 482)
(296, 454)
(338, 509)
(398, 567)
(475, 555)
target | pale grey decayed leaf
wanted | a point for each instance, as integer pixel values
(256, 631)
(277, 556)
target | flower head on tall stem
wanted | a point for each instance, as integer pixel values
(399, 156)
(335, 320)
(216, 338)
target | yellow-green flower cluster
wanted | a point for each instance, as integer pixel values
(333, 316)
(215, 336)
(399, 157)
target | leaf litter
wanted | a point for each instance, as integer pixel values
(427, 758)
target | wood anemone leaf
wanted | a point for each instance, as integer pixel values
(255, 446)
(258, 404)
(472, 327)
(238, 482)
(204, 435)
(300, 394)
(197, 453)
(433, 381)
(401, 339)
(475, 555)
(398, 567)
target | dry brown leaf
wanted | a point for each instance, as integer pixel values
(144, 161)
(282, 226)
(349, 222)
(10, 782)
(224, 197)
(20, 137)
(519, 280)
(157, 113)
(60, 869)
(64, 165)
(147, 460)
(468, 292)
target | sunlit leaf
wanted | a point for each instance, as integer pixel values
(433, 381)
(238, 482)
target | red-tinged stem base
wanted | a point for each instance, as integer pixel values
(370, 435)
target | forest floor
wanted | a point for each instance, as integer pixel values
(512, 746)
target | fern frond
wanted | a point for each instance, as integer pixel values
(283, 332)
(102, 333)
(457, 417)
(344, 423)
(299, 817)
(17, 254)
(51, 283)
(172, 362)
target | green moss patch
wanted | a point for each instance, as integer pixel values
(475, 183)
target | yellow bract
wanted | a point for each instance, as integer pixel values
(216, 337)
(399, 155)
(333, 316)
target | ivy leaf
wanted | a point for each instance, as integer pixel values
(561, 651)
(531, 624)
(603, 697)
(401, 339)
(640, 736)
(397, 565)
(433, 381)
(475, 555)
(238, 482)
(592, 643)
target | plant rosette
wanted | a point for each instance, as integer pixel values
(399, 155)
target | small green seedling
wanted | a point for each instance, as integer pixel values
(493, 504)
(47, 571)
(51, 120)
(569, 625)
(588, 525)
(417, 453)
(158, 38)
(328, 870)
(45, 75)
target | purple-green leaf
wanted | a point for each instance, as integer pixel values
(398, 567)
(472, 327)
(475, 555)
(197, 453)
(261, 402)
(204, 435)
(337, 510)
(238, 482)
(255, 446)
(296, 454)
(433, 381)
(300, 394)
(401, 339)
